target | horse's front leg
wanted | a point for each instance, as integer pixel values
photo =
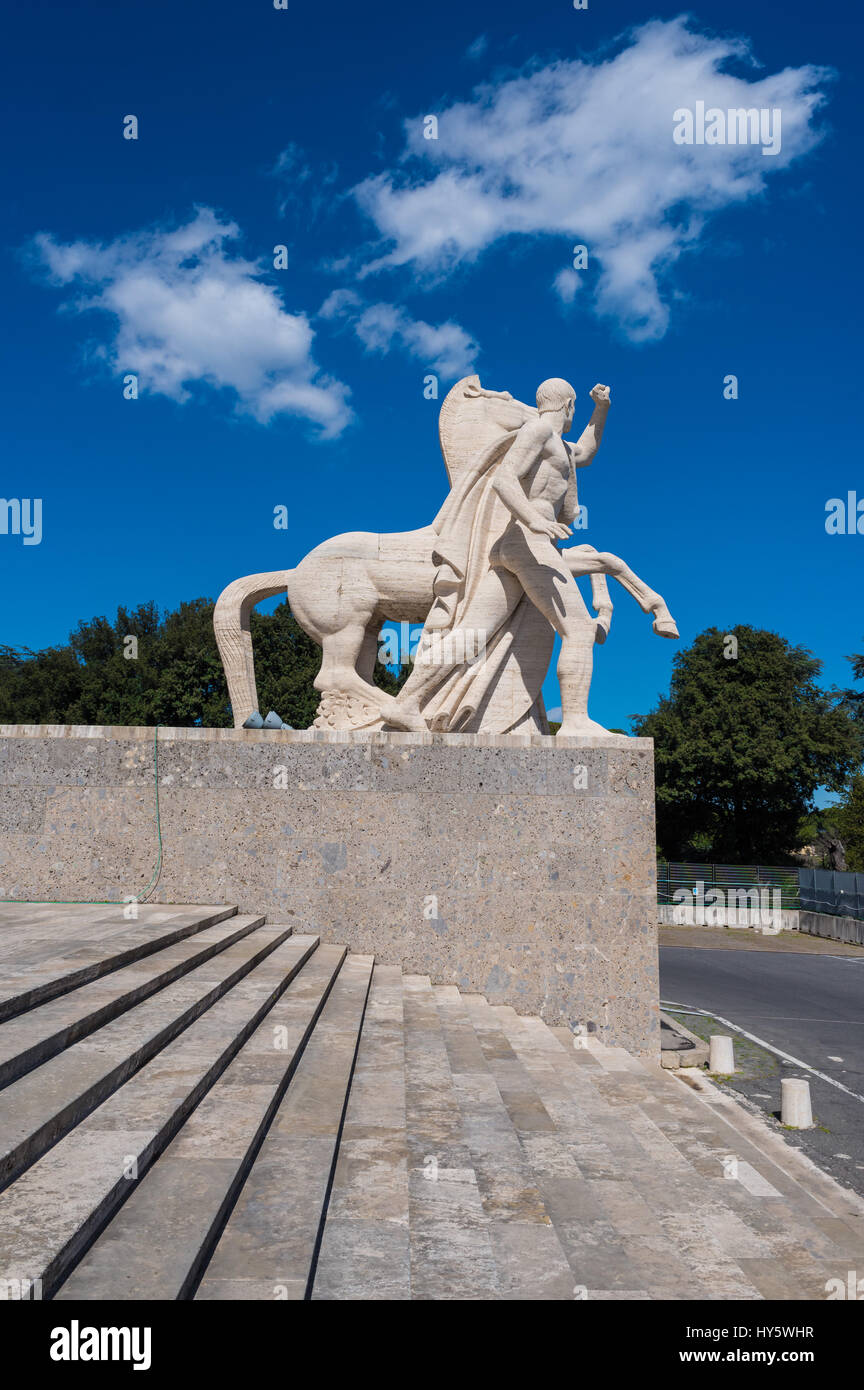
(585, 559)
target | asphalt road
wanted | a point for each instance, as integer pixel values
(810, 1007)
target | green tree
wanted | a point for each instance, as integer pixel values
(175, 678)
(849, 818)
(741, 744)
(843, 822)
(853, 700)
(821, 835)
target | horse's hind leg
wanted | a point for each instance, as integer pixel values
(340, 653)
(369, 653)
(347, 668)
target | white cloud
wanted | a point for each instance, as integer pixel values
(340, 303)
(445, 348)
(308, 190)
(187, 311)
(477, 49)
(584, 152)
(567, 285)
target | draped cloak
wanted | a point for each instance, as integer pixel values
(503, 686)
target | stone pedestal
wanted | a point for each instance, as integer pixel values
(520, 867)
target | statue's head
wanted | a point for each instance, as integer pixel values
(554, 395)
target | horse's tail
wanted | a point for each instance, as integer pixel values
(231, 618)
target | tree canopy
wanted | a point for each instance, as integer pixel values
(176, 678)
(847, 816)
(849, 819)
(742, 742)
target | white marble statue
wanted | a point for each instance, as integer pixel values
(486, 579)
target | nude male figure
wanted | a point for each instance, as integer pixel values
(536, 481)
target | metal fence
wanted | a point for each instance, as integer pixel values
(807, 890)
(729, 878)
(825, 890)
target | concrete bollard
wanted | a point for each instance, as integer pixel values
(795, 1108)
(721, 1055)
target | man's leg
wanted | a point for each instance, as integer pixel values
(550, 586)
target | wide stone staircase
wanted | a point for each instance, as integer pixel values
(199, 1104)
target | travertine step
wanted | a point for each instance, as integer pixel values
(500, 1105)
(365, 1250)
(35, 967)
(39, 1108)
(762, 1235)
(284, 1121)
(267, 1249)
(51, 1214)
(42, 1032)
(161, 1239)
(607, 1193)
(451, 1247)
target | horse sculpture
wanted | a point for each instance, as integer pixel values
(344, 589)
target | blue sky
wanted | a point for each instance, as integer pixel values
(303, 386)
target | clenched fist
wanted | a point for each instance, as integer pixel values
(600, 395)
